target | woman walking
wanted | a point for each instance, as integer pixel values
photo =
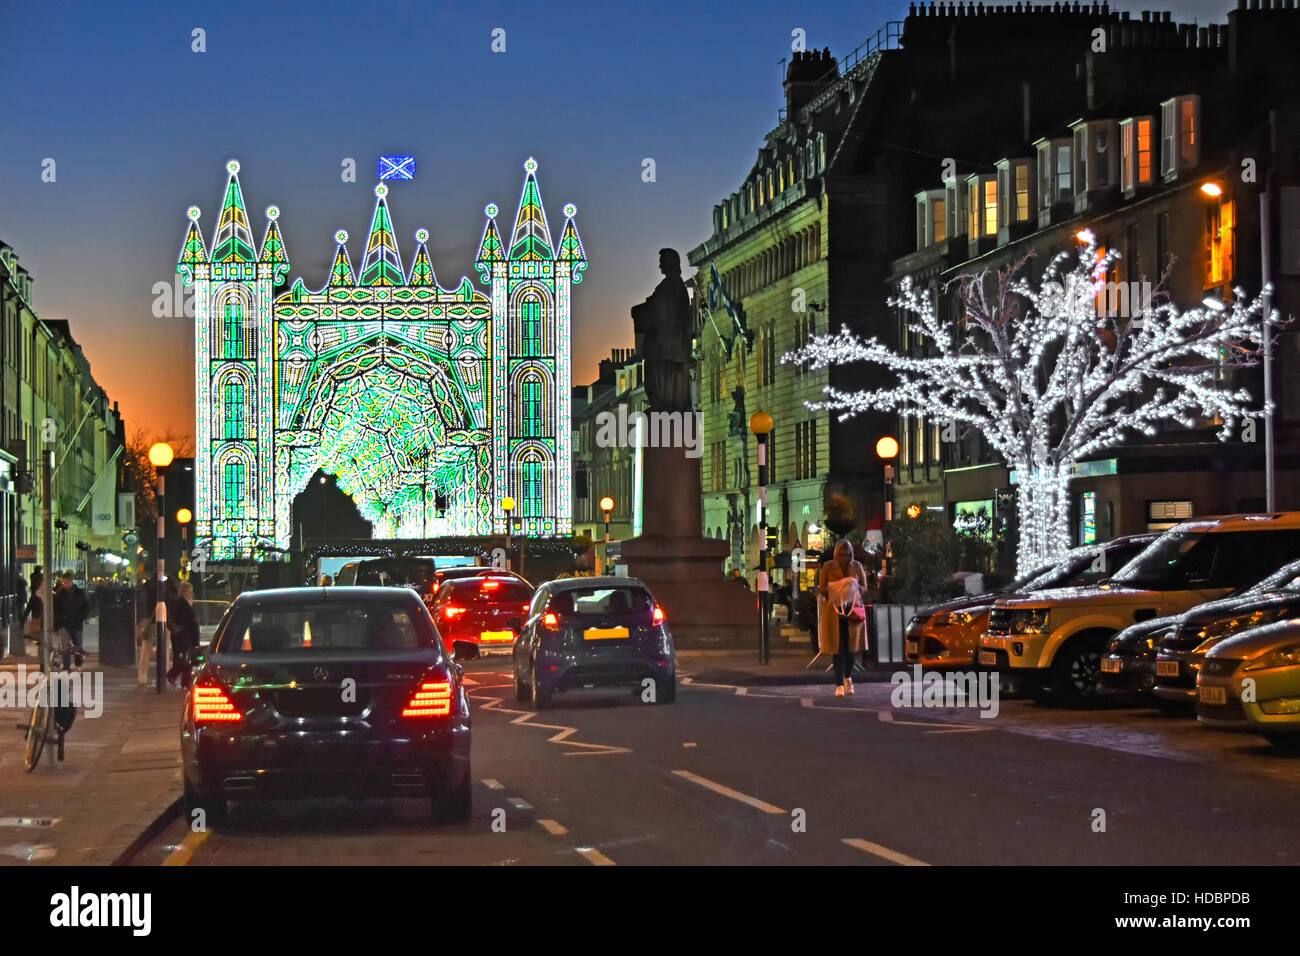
(843, 628)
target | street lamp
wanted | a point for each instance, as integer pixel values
(160, 456)
(183, 517)
(606, 505)
(760, 423)
(887, 451)
(507, 505)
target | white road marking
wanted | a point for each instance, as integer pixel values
(594, 856)
(884, 852)
(728, 792)
(519, 803)
(551, 827)
(493, 784)
(742, 691)
(528, 717)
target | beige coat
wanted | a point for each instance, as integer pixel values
(828, 628)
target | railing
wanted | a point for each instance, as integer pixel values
(209, 613)
(887, 37)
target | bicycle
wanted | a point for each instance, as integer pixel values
(52, 689)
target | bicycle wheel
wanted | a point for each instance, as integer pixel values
(39, 729)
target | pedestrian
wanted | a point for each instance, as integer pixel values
(327, 581)
(70, 611)
(183, 627)
(34, 609)
(843, 631)
(146, 639)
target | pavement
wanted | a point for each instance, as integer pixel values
(792, 661)
(119, 777)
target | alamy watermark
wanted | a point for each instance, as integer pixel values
(650, 430)
(948, 690)
(25, 688)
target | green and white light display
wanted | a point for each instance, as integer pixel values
(428, 405)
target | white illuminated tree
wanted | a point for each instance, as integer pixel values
(1048, 380)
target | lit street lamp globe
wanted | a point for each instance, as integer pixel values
(887, 447)
(607, 504)
(760, 423)
(914, 511)
(161, 454)
(183, 516)
(508, 503)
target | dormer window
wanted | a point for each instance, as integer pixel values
(1136, 167)
(1015, 179)
(931, 217)
(1095, 159)
(955, 207)
(982, 205)
(1180, 135)
(1055, 172)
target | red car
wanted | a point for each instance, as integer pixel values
(487, 611)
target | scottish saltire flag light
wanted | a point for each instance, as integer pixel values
(396, 167)
(427, 404)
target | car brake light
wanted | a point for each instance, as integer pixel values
(491, 585)
(551, 621)
(212, 703)
(658, 616)
(452, 610)
(431, 699)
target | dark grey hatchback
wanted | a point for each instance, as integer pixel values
(310, 692)
(595, 632)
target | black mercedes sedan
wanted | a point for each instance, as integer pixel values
(316, 692)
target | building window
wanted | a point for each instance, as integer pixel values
(1064, 188)
(718, 465)
(233, 486)
(1188, 134)
(990, 207)
(532, 395)
(530, 311)
(1219, 238)
(938, 220)
(531, 487)
(1180, 134)
(233, 329)
(1022, 193)
(973, 209)
(233, 400)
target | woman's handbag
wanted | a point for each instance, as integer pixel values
(846, 597)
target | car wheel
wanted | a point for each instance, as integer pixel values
(541, 696)
(1078, 670)
(666, 691)
(213, 808)
(1287, 743)
(455, 805)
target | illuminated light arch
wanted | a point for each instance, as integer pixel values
(406, 391)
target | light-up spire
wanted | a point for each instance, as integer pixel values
(192, 249)
(421, 267)
(570, 249)
(234, 240)
(531, 237)
(381, 265)
(273, 243)
(489, 247)
(341, 271)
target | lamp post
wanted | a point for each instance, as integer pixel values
(507, 505)
(606, 505)
(160, 456)
(887, 451)
(760, 423)
(183, 518)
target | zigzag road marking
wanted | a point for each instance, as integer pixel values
(528, 718)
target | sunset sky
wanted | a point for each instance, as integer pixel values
(140, 127)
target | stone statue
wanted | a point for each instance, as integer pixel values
(663, 327)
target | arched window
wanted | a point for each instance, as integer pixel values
(232, 328)
(530, 483)
(233, 487)
(232, 394)
(530, 326)
(532, 401)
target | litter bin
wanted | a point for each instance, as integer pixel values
(117, 626)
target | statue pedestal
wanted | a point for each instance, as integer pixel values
(681, 567)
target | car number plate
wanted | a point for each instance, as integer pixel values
(1212, 695)
(913, 648)
(988, 657)
(1110, 666)
(497, 636)
(604, 633)
(1166, 668)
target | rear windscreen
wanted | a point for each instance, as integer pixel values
(602, 601)
(506, 592)
(309, 627)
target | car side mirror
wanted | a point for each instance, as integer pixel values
(464, 650)
(196, 656)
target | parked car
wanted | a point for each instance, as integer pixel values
(1180, 654)
(1252, 682)
(482, 610)
(1055, 640)
(1146, 656)
(594, 632)
(309, 692)
(948, 634)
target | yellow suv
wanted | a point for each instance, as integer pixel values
(1054, 641)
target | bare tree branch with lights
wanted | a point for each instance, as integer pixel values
(1048, 380)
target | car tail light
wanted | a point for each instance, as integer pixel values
(550, 621)
(658, 616)
(431, 699)
(525, 607)
(491, 585)
(212, 703)
(452, 611)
